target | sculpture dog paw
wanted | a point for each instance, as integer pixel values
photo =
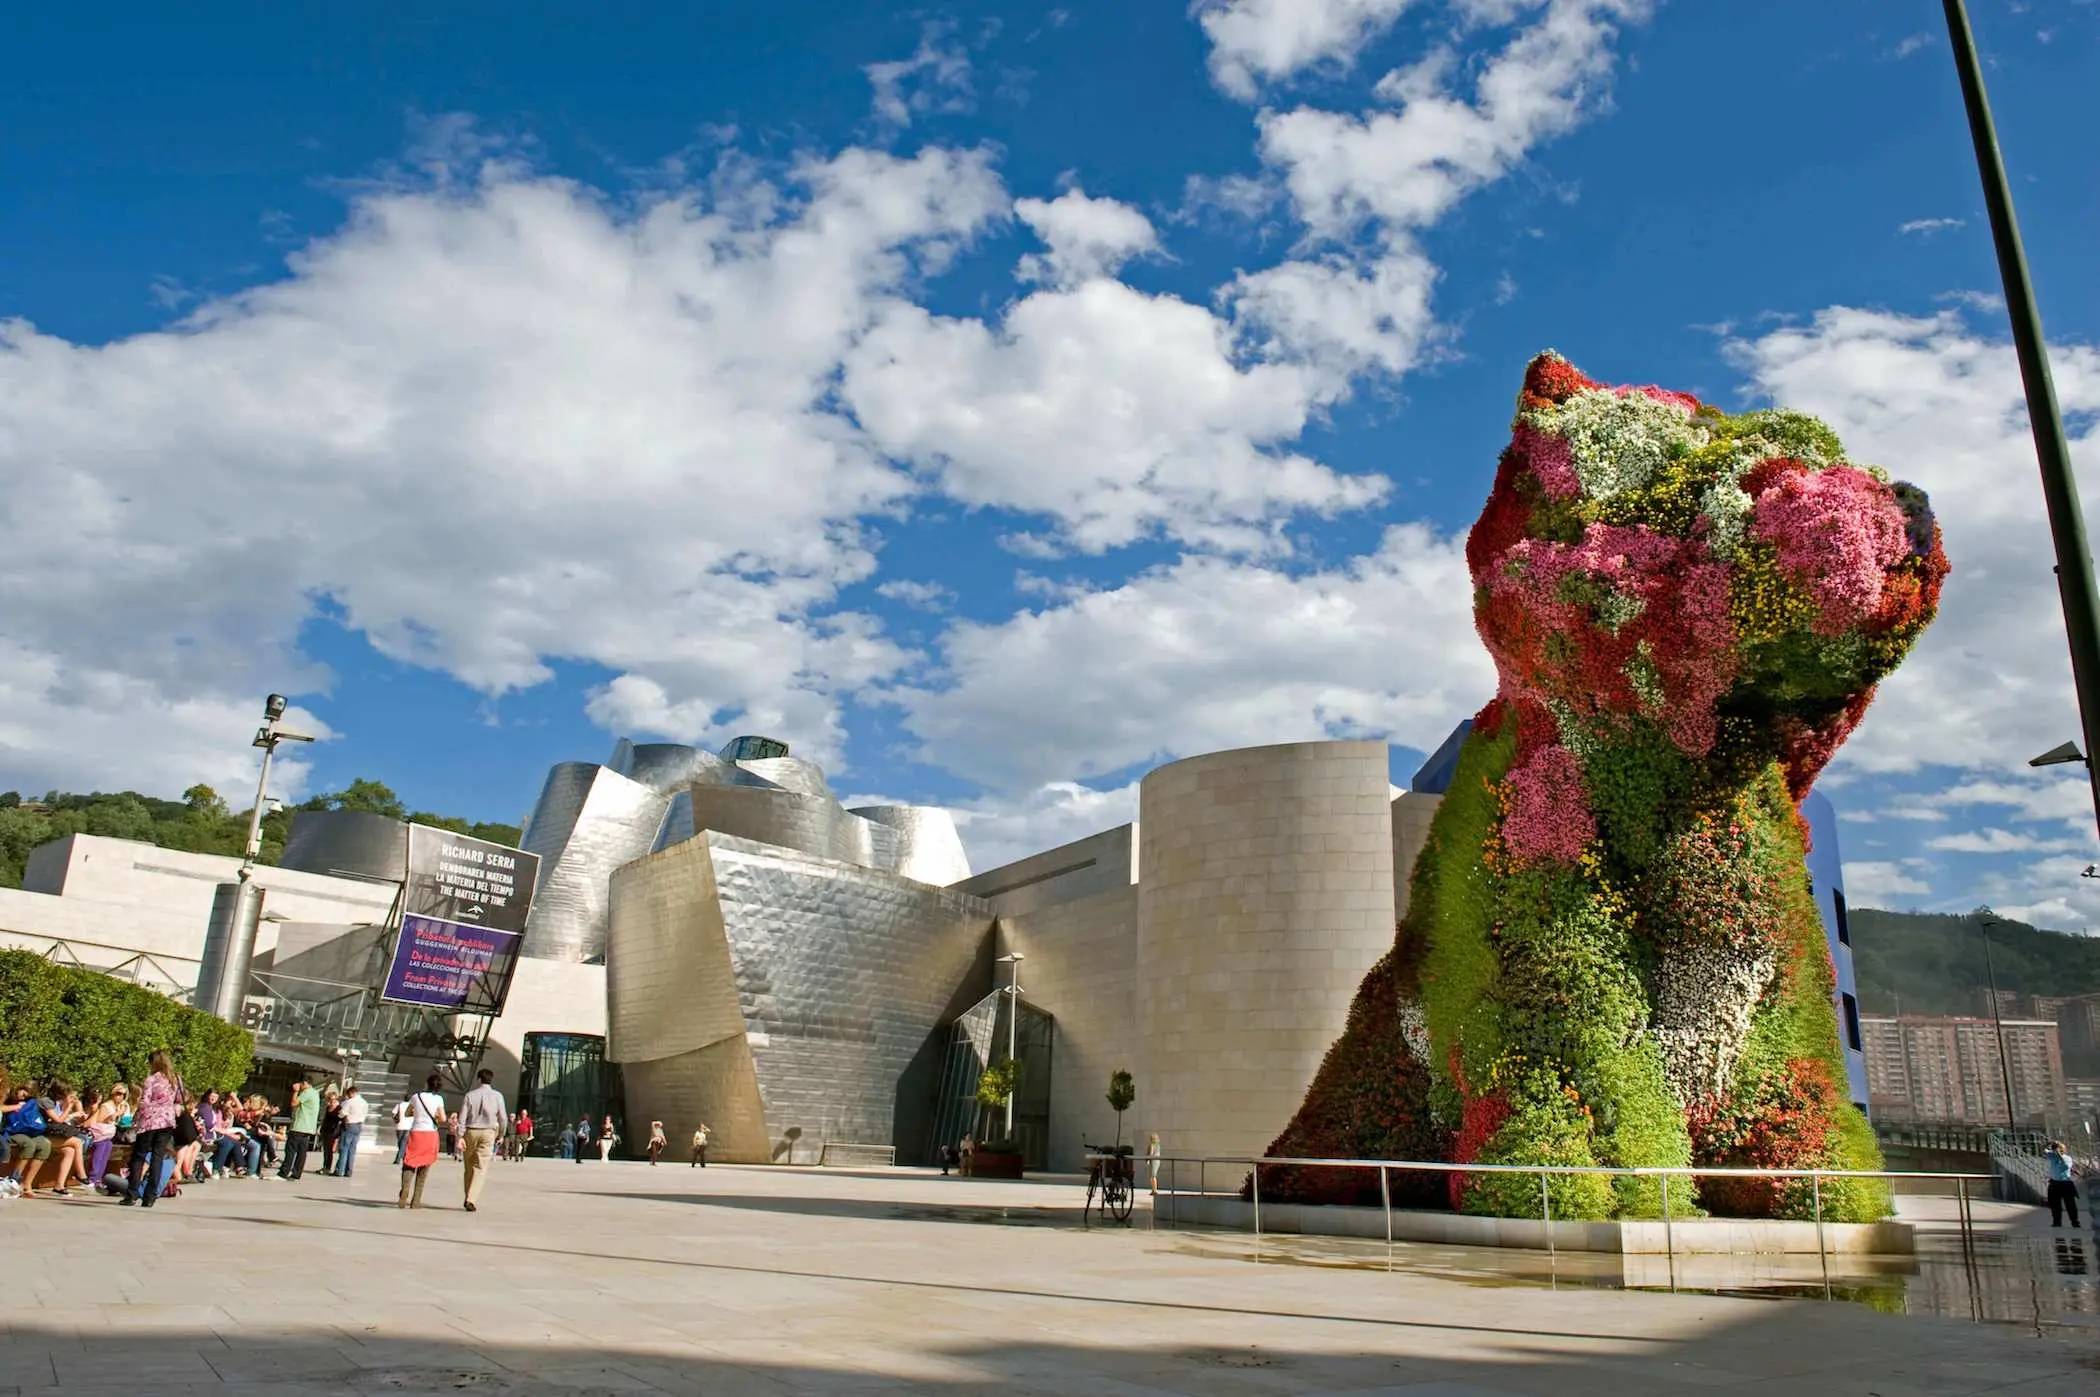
(1611, 954)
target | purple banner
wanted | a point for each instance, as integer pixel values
(440, 963)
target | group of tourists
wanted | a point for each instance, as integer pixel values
(55, 1138)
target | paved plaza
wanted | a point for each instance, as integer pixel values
(622, 1278)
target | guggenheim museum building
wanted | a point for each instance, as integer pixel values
(715, 938)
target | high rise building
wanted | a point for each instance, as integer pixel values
(1947, 1070)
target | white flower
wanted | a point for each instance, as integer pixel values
(1619, 442)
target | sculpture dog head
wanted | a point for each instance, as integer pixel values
(1722, 591)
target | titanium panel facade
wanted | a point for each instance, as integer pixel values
(355, 843)
(588, 821)
(833, 982)
(927, 846)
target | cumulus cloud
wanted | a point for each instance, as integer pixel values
(486, 424)
(1363, 184)
(1210, 653)
(1115, 413)
(1874, 882)
(1253, 42)
(1086, 238)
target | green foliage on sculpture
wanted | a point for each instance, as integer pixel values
(1611, 954)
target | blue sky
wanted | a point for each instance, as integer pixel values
(991, 400)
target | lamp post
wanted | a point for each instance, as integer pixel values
(2074, 561)
(236, 908)
(1013, 1023)
(1984, 918)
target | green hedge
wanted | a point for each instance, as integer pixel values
(90, 1030)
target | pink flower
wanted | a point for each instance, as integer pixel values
(1552, 460)
(1837, 531)
(1544, 814)
(1661, 395)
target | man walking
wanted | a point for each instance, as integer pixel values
(306, 1123)
(353, 1111)
(700, 1134)
(481, 1118)
(2063, 1189)
(583, 1138)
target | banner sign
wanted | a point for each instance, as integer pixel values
(440, 964)
(463, 906)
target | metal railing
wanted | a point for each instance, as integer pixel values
(1965, 1215)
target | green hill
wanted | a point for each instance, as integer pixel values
(199, 823)
(1925, 963)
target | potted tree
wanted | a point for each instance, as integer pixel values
(997, 1155)
(1122, 1090)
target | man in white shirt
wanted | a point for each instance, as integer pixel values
(481, 1118)
(352, 1111)
(403, 1110)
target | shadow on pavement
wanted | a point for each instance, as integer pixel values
(702, 1350)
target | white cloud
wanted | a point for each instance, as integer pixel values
(935, 79)
(1930, 225)
(2035, 798)
(1993, 841)
(924, 596)
(1206, 654)
(1263, 41)
(1874, 883)
(489, 423)
(1115, 413)
(1086, 238)
(1364, 183)
(1912, 43)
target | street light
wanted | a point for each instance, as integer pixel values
(1984, 918)
(1013, 1022)
(236, 909)
(2074, 561)
(266, 737)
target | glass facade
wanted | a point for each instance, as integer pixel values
(976, 1041)
(563, 1077)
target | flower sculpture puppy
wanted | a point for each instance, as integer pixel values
(1611, 953)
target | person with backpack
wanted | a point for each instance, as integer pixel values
(153, 1139)
(419, 1150)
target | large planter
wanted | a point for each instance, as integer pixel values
(995, 1164)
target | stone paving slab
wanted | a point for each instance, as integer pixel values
(620, 1278)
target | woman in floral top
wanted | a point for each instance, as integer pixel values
(155, 1138)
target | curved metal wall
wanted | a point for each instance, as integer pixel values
(1266, 894)
(790, 774)
(809, 824)
(824, 985)
(355, 842)
(928, 847)
(587, 823)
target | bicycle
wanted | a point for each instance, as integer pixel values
(1111, 1178)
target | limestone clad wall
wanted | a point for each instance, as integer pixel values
(1267, 893)
(1412, 813)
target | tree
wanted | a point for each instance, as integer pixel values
(372, 797)
(998, 1084)
(1122, 1090)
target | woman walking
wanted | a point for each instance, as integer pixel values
(154, 1140)
(426, 1113)
(607, 1138)
(657, 1141)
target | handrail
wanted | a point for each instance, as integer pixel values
(1965, 1215)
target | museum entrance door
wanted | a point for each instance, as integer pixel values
(976, 1040)
(563, 1077)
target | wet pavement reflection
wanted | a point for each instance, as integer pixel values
(2022, 1277)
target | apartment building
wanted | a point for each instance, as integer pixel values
(1947, 1069)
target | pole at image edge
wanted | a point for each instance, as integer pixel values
(2074, 561)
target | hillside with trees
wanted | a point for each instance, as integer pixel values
(199, 823)
(1925, 963)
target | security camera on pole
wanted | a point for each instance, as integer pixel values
(236, 908)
